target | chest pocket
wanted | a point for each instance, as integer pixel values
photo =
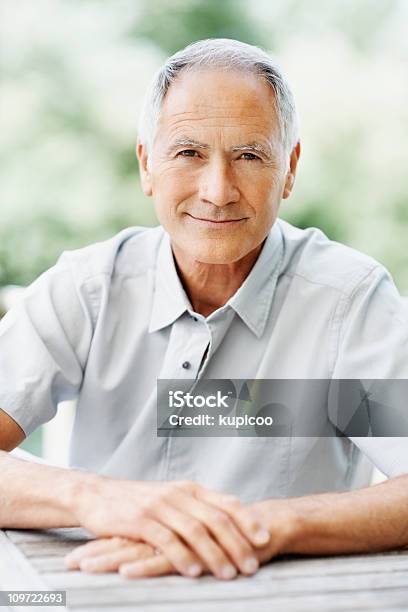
(253, 468)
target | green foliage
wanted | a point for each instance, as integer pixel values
(174, 24)
(316, 214)
(72, 86)
(31, 245)
(33, 444)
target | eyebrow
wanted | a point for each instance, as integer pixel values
(186, 142)
(255, 147)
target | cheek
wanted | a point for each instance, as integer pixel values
(172, 186)
(260, 189)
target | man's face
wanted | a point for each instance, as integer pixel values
(218, 170)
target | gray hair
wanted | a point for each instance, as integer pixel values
(220, 53)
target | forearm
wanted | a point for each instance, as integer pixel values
(367, 520)
(34, 496)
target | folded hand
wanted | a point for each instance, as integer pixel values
(137, 559)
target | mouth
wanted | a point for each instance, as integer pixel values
(217, 223)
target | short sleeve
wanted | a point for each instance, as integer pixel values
(372, 345)
(44, 343)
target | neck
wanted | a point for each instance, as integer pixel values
(210, 286)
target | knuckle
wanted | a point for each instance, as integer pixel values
(218, 558)
(141, 514)
(251, 520)
(143, 548)
(221, 518)
(186, 485)
(166, 538)
(195, 529)
(243, 550)
(165, 495)
(241, 515)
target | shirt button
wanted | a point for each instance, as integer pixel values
(186, 365)
(195, 318)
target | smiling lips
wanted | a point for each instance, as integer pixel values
(216, 222)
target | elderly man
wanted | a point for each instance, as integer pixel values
(221, 289)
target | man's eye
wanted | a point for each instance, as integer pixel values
(187, 153)
(249, 156)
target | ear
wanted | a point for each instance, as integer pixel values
(290, 176)
(145, 174)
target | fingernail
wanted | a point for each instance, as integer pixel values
(262, 536)
(194, 570)
(126, 570)
(250, 565)
(228, 572)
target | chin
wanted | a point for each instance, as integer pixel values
(217, 253)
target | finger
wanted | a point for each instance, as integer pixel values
(245, 517)
(222, 527)
(96, 547)
(156, 566)
(164, 539)
(111, 562)
(195, 533)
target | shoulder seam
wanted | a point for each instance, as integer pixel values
(340, 290)
(313, 282)
(339, 315)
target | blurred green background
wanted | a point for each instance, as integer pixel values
(73, 73)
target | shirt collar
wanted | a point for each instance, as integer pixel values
(251, 301)
(170, 300)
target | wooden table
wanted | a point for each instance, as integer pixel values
(34, 560)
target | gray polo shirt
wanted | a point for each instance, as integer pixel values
(108, 320)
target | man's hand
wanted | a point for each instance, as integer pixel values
(118, 554)
(137, 560)
(192, 527)
(366, 520)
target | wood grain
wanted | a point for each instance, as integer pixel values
(349, 582)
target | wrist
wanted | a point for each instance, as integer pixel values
(304, 525)
(81, 487)
(284, 522)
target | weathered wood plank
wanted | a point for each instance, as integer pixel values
(48, 543)
(310, 604)
(278, 569)
(14, 567)
(349, 582)
(74, 579)
(361, 600)
(48, 565)
(244, 590)
(72, 534)
(37, 550)
(16, 573)
(46, 550)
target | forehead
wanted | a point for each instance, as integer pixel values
(223, 99)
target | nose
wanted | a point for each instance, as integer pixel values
(217, 183)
